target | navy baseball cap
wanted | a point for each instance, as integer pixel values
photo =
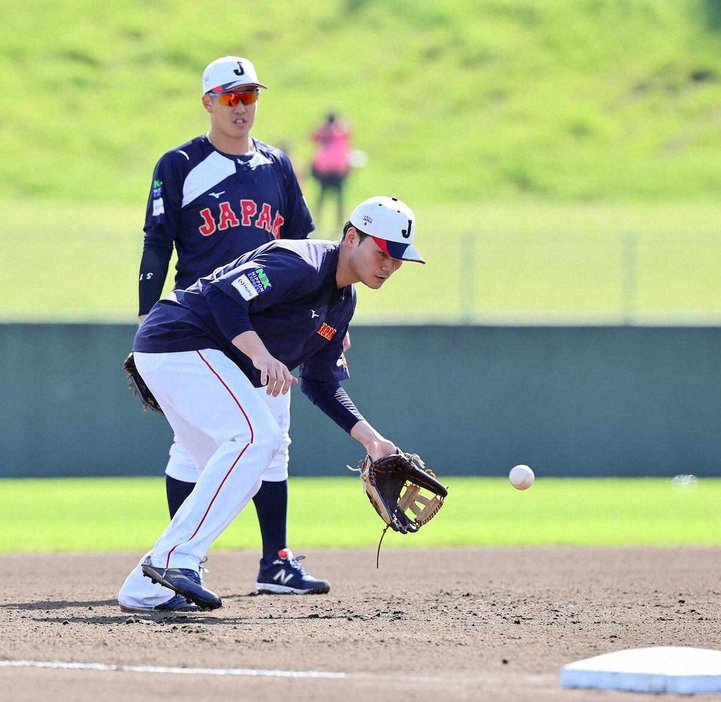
(391, 224)
(230, 73)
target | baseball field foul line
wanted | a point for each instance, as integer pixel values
(247, 672)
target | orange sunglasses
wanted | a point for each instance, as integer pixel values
(232, 99)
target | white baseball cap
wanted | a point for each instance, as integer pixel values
(390, 223)
(230, 73)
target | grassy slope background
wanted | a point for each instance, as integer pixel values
(453, 100)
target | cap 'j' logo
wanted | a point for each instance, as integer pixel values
(406, 233)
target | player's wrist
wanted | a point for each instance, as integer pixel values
(375, 445)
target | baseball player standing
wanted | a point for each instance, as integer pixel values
(214, 198)
(218, 357)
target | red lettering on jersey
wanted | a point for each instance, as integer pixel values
(209, 227)
(277, 224)
(264, 218)
(326, 331)
(227, 216)
(248, 209)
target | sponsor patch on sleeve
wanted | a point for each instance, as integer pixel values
(252, 284)
(158, 207)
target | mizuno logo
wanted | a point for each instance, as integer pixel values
(314, 314)
(217, 195)
(283, 577)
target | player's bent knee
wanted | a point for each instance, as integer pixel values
(270, 439)
(180, 465)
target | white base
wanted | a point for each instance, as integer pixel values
(676, 669)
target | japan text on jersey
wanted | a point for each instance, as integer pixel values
(221, 197)
(213, 207)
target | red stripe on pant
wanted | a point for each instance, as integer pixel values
(235, 462)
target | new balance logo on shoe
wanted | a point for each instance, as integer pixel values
(286, 576)
(283, 577)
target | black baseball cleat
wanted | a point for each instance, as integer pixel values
(285, 576)
(185, 582)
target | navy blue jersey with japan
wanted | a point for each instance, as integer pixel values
(286, 291)
(213, 207)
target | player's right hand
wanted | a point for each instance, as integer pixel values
(274, 375)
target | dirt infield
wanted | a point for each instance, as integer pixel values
(470, 624)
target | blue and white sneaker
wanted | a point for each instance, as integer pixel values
(285, 576)
(177, 603)
(185, 582)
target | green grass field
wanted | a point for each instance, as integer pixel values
(524, 263)
(106, 514)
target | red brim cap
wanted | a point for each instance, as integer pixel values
(403, 252)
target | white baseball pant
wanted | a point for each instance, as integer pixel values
(182, 467)
(231, 429)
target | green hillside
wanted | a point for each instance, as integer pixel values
(453, 100)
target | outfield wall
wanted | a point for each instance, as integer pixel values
(569, 401)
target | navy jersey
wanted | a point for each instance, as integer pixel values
(213, 207)
(286, 291)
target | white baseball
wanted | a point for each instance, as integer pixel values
(521, 477)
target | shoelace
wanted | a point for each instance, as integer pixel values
(293, 562)
(191, 575)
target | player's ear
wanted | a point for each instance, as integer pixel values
(207, 103)
(352, 236)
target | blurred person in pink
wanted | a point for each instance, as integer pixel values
(332, 161)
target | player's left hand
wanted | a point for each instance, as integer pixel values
(395, 485)
(380, 447)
